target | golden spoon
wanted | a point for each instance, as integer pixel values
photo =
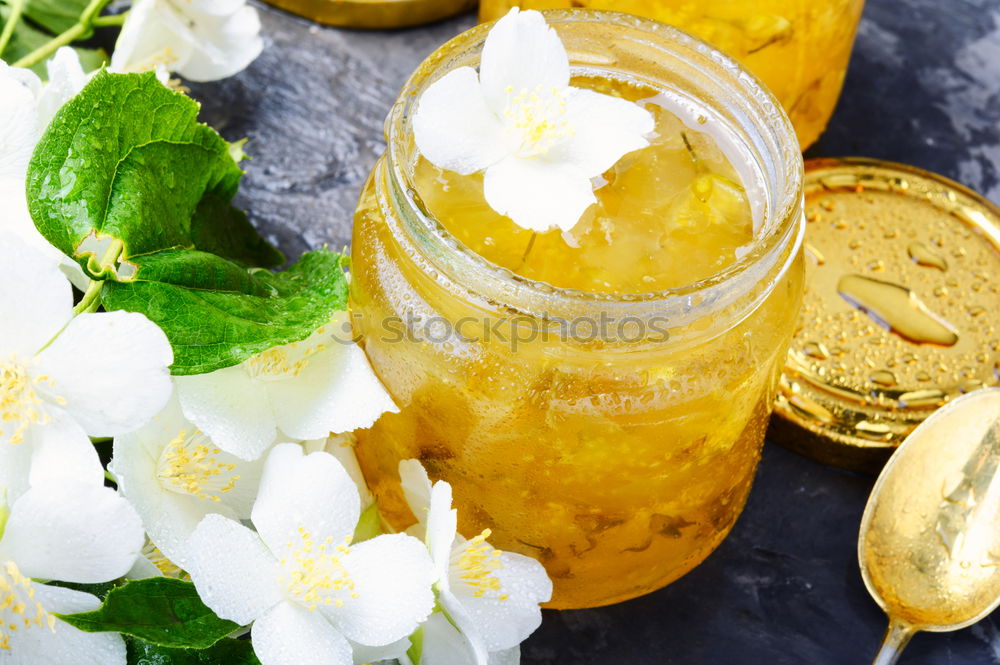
(930, 538)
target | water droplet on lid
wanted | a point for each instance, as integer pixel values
(854, 244)
(878, 265)
(897, 309)
(883, 378)
(923, 255)
(918, 398)
(816, 350)
(923, 377)
(940, 291)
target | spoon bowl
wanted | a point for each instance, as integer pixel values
(929, 546)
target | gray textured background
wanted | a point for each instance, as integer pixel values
(784, 589)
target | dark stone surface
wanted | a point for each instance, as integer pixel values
(784, 589)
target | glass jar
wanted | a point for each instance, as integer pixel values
(614, 438)
(799, 48)
(375, 14)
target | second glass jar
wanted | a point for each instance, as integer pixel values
(799, 48)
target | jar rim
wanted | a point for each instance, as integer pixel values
(783, 223)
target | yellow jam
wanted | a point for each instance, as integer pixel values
(619, 455)
(799, 48)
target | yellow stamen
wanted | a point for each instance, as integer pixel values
(315, 573)
(190, 465)
(477, 563)
(18, 607)
(20, 405)
(277, 362)
(538, 117)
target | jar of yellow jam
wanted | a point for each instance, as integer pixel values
(799, 48)
(597, 398)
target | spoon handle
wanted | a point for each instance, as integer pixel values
(896, 638)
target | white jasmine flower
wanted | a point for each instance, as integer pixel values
(299, 391)
(539, 139)
(308, 590)
(71, 532)
(202, 40)
(64, 378)
(26, 108)
(175, 475)
(490, 598)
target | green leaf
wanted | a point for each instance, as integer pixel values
(126, 159)
(56, 16)
(161, 610)
(101, 590)
(27, 39)
(223, 652)
(210, 328)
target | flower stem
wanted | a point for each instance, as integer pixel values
(91, 298)
(83, 26)
(110, 21)
(16, 9)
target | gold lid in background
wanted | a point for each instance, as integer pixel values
(375, 13)
(901, 311)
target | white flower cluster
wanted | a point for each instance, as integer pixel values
(232, 477)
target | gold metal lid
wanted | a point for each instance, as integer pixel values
(375, 13)
(901, 312)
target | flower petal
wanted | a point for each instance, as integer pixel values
(111, 369)
(16, 220)
(66, 79)
(65, 645)
(453, 126)
(521, 53)
(336, 391)
(73, 532)
(15, 465)
(537, 194)
(444, 645)
(36, 297)
(289, 634)
(392, 578)
(152, 35)
(506, 617)
(62, 452)
(442, 525)
(311, 492)
(510, 656)
(465, 625)
(416, 488)
(231, 408)
(364, 654)
(342, 446)
(143, 569)
(605, 129)
(18, 119)
(169, 515)
(223, 45)
(232, 570)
